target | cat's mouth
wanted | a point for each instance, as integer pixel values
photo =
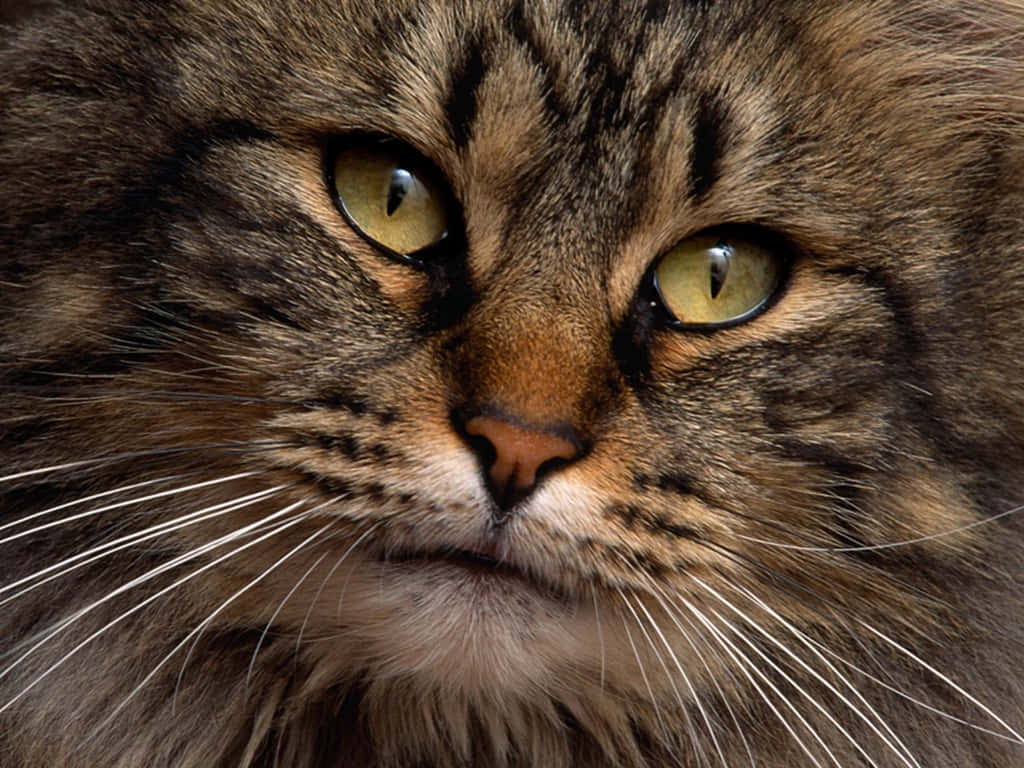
(482, 561)
(464, 558)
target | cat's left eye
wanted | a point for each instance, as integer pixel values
(717, 279)
(389, 196)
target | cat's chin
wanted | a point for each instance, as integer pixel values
(469, 585)
(460, 620)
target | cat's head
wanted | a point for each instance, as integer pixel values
(529, 357)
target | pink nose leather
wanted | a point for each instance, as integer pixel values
(519, 452)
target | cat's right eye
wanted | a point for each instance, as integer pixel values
(717, 279)
(389, 196)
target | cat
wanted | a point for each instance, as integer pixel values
(502, 383)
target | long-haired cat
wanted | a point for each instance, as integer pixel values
(503, 383)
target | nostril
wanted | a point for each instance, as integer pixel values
(552, 465)
(483, 448)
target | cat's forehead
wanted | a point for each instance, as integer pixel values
(569, 125)
(590, 129)
(552, 101)
(543, 80)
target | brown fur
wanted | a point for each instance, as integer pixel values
(777, 548)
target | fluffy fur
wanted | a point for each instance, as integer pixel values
(226, 418)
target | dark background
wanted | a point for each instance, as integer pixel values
(10, 10)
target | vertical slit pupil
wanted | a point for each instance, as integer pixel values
(401, 183)
(719, 268)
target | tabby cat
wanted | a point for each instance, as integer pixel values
(499, 383)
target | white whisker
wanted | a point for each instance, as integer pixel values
(115, 457)
(686, 679)
(894, 744)
(803, 692)
(86, 499)
(126, 503)
(81, 559)
(643, 673)
(197, 632)
(888, 545)
(944, 678)
(342, 559)
(600, 632)
(746, 666)
(148, 576)
(273, 617)
(675, 660)
(904, 695)
(663, 600)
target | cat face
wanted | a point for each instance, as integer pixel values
(511, 384)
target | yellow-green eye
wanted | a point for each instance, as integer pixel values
(390, 198)
(713, 279)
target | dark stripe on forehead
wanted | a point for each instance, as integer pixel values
(523, 31)
(607, 92)
(710, 133)
(649, 116)
(461, 105)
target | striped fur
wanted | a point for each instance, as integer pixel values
(225, 418)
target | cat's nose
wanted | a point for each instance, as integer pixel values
(516, 456)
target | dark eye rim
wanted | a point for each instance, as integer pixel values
(451, 241)
(768, 239)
